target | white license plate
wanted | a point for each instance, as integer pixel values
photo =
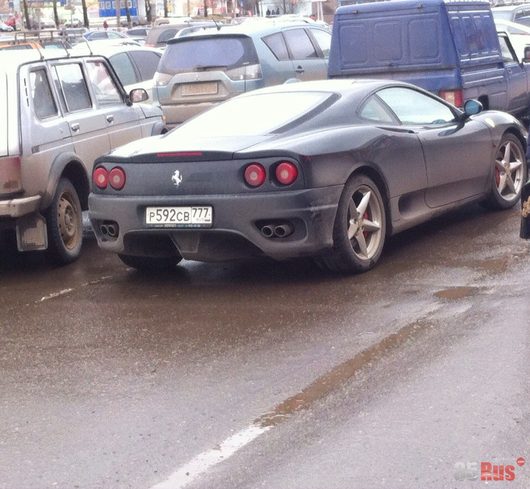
(190, 217)
(207, 88)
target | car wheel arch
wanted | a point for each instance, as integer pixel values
(70, 167)
(377, 177)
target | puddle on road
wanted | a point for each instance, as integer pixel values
(456, 293)
(347, 370)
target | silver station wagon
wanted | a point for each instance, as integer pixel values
(57, 115)
(202, 69)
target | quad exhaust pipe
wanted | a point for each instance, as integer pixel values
(281, 230)
(110, 230)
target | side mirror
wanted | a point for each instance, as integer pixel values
(526, 58)
(138, 95)
(472, 107)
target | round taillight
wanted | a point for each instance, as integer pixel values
(100, 177)
(286, 173)
(255, 175)
(117, 178)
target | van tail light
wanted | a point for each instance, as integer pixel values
(161, 79)
(245, 72)
(10, 175)
(454, 97)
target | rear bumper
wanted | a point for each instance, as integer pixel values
(236, 231)
(177, 114)
(19, 207)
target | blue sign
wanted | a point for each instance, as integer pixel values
(107, 8)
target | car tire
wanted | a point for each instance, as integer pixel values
(509, 174)
(64, 224)
(359, 230)
(150, 264)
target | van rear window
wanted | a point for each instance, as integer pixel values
(203, 54)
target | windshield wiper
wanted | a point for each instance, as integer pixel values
(209, 67)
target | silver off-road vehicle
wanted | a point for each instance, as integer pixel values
(57, 115)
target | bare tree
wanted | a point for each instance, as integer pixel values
(55, 14)
(85, 13)
(26, 13)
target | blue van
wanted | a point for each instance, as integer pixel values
(449, 48)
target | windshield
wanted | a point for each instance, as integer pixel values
(198, 54)
(256, 115)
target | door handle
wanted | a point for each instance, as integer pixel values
(75, 126)
(110, 118)
(299, 70)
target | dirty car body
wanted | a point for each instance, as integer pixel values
(325, 169)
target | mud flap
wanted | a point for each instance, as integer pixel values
(32, 234)
(525, 211)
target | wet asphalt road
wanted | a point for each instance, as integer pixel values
(111, 379)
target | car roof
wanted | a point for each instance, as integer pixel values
(342, 85)
(259, 28)
(109, 50)
(11, 60)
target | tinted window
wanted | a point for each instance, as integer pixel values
(374, 110)
(41, 94)
(276, 44)
(124, 68)
(73, 86)
(412, 107)
(102, 83)
(146, 62)
(166, 35)
(299, 44)
(323, 40)
(275, 111)
(208, 53)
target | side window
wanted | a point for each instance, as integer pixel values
(94, 36)
(146, 62)
(104, 87)
(41, 94)
(276, 44)
(73, 87)
(124, 69)
(412, 107)
(506, 53)
(299, 44)
(374, 110)
(323, 40)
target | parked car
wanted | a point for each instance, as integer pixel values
(158, 36)
(139, 34)
(326, 169)
(104, 35)
(519, 35)
(5, 28)
(134, 65)
(519, 13)
(449, 48)
(202, 69)
(57, 115)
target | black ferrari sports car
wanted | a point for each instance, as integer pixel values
(326, 169)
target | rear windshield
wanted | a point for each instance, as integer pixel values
(253, 116)
(202, 54)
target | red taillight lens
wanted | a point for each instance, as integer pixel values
(454, 97)
(255, 175)
(117, 178)
(100, 177)
(286, 173)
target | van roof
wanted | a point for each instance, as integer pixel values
(409, 4)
